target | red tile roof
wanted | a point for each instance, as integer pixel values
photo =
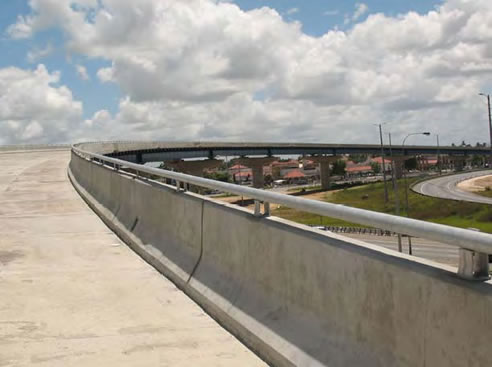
(379, 160)
(358, 169)
(295, 174)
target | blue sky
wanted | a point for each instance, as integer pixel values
(203, 70)
(317, 17)
(95, 95)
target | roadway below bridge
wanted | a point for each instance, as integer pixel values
(446, 187)
(72, 294)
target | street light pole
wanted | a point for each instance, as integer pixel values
(395, 189)
(438, 156)
(382, 163)
(490, 125)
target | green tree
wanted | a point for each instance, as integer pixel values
(376, 168)
(358, 158)
(411, 164)
(223, 176)
(338, 167)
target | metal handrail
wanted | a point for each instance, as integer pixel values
(463, 238)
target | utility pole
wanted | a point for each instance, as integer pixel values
(395, 190)
(383, 165)
(490, 126)
(490, 129)
(438, 156)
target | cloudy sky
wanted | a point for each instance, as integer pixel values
(244, 70)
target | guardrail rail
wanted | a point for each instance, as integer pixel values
(474, 247)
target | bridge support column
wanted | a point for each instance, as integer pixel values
(194, 168)
(256, 165)
(324, 166)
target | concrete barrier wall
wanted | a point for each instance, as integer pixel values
(295, 295)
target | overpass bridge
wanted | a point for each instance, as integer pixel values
(256, 155)
(294, 295)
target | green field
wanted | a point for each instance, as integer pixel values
(371, 197)
(487, 193)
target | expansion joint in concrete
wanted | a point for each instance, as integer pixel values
(201, 245)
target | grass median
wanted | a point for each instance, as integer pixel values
(371, 197)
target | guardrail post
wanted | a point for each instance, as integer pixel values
(266, 208)
(473, 265)
(257, 208)
(178, 186)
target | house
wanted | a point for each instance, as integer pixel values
(295, 177)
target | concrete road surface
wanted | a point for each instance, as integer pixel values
(445, 187)
(71, 294)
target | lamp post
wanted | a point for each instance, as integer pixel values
(490, 125)
(438, 156)
(382, 161)
(407, 207)
(395, 189)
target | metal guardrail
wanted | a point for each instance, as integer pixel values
(19, 147)
(475, 246)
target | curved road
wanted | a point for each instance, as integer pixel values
(72, 294)
(445, 187)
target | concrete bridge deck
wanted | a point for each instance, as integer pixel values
(71, 294)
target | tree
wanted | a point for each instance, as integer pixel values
(376, 168)
(358, 158)
(411, 164)
(338, 167)
(223, 176)
(476, 160)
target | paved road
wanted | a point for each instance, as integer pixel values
(71, 294)
(423, 248)
(445, 187)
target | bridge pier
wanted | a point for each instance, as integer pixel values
(194, 168)
(256, 165)
(324, 166)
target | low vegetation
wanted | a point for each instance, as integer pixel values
(371, 197)
(487, 192)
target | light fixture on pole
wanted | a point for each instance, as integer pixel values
(490, 125)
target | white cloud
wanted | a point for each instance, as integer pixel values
(206, 69)
(37, 54)
(105, 74)
(292, 11)
(34, 108)
(82, 72)
(360, 10)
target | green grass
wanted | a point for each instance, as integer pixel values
(371, 197)
(486, 193)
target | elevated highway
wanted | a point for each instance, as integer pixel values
(142, 152)
(72, 294)
(295, 295)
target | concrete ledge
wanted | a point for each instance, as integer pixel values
(295, 295)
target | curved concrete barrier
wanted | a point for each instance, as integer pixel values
(297, 296)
